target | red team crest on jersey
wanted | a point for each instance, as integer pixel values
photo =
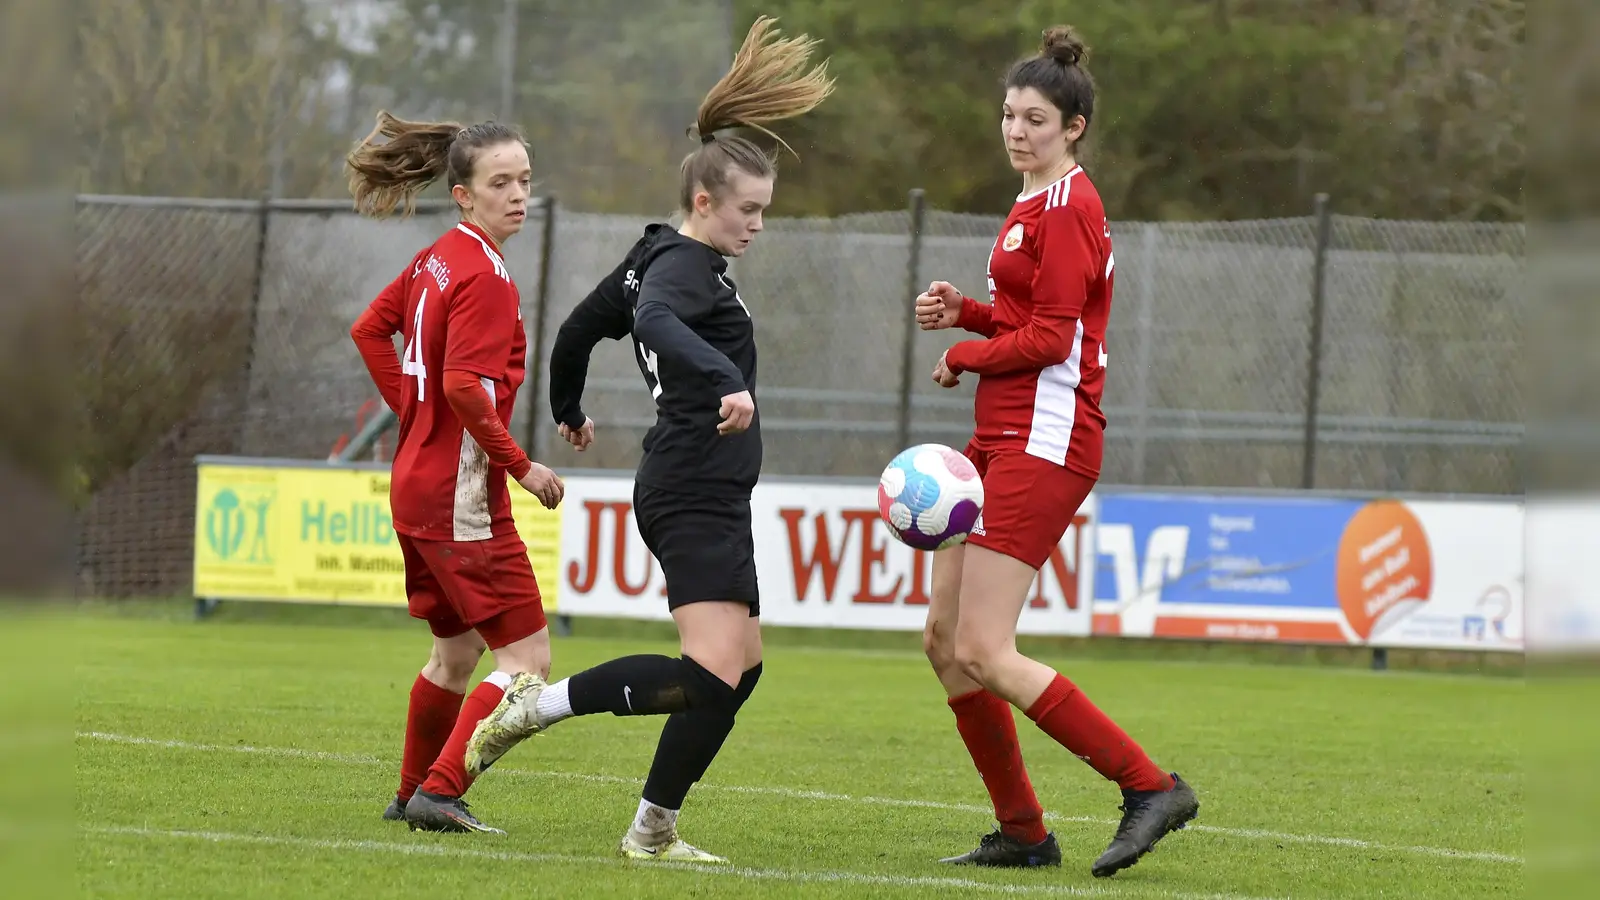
(1013, 238)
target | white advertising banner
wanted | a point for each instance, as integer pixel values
(1563, 560)
(1474, 599)
(823, 558)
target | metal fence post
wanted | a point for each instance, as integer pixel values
(908, 344)
(508, 60)
(204, 606)
(1319, 273)
(257, 288)
(1145, 268)
(541, 309)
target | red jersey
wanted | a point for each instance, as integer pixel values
(1042, 368)
(456, 308)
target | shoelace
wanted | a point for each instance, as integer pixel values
(1131, 808)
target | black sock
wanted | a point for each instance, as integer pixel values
(646, 685)
(689, 742)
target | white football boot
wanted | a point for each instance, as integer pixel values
(514, 719)
(664, 848)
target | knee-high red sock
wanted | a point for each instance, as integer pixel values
(448, 776)
(429, 719)
(1064, 713)
(990, 733)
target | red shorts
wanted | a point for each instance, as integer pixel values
(1028, 503)
(459, 586)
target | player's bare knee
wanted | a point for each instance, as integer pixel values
(716, 636)
(725, 663)
(938, 644)
(530, 654)
(752, 648)
(454, 678)
(976, 666)
(453, 660)
(720, 652)
(515, 659)
(977, 657)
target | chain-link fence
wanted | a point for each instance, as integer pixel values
(222, 327)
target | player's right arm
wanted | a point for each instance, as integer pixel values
(675, 292)
(601, 315)
(943, 306)
(478, 337)
(1068, 266)
(374, 333)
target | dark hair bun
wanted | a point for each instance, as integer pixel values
(1063, 45)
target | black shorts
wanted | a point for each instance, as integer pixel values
(704, 544)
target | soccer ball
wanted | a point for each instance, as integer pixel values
(930, 497)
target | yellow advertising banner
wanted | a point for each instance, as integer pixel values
(321, 533)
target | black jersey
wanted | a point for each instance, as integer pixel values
(695, 344)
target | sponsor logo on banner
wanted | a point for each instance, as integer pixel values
(1384, 570)
(238, 512)
(321, 533)
(1390, 573)
(823, 558)
(1385, 573)
(1471, 591)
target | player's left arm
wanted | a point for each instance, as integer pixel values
(374, 333)
(1068, 265)
(479, 329)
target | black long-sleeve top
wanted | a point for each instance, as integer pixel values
(694, 342)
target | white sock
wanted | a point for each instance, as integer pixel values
(654, 821)
(501, 680)
(553, 705)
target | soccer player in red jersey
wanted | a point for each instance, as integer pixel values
(1040, 361)
(458, 313)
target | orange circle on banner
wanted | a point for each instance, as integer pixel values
(1384, 565)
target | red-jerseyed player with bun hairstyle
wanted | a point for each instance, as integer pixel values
(458, 314)
(1040, 363)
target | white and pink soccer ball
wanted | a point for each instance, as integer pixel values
(930, 496)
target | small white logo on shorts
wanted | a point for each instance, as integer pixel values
(977, 527)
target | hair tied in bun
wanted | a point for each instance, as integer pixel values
(1063, 45)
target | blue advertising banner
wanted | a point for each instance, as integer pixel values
(1309, 570)
(1274, 552)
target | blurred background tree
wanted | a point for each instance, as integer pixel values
(1209, 109)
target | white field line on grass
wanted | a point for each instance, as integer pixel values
(800, 876)
(822, 796)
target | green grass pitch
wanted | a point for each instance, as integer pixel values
(251, 757)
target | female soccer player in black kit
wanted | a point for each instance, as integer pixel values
(695, 345)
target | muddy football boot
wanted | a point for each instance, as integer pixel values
(1000, 850)
(1147, 817)
(434, 812)
(395, 812)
